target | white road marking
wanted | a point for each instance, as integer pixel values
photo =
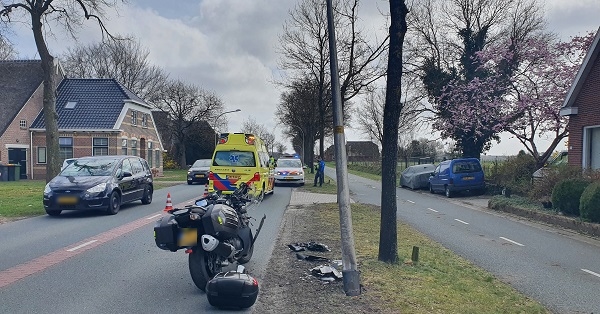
(464, 222)
(152, 217)
(591, 272)
(511, 241)
(433, 210)
(80, 246)
(410, 201)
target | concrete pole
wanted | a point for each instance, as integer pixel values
(350, 272)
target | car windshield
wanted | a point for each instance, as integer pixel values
(201, 163)
(289, 163)
(90, 167)
(466, 167)
(234, 158)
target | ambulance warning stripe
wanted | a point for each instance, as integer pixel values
(18, 272)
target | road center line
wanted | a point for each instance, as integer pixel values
(511, 241)
(591, 272)
(464, 222)
(81, 245)
(433, 210)
(152, 217)
(410, 201)
(36, 265)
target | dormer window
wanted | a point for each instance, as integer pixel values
(144, 120)
(134, 119)
(70, 105)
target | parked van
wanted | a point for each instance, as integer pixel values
(240, 157)
(456, 175)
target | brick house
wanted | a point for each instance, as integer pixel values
(21, 96)
(356, 151)
(97, 117)
(582, 106)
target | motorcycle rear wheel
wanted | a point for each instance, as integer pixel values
(203, 267)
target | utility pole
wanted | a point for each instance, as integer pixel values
(351, 276)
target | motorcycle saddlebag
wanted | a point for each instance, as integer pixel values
(166, 233)
(232, 290)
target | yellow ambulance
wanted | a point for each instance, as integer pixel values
(241, 157)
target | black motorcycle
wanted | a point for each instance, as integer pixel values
(215, 232)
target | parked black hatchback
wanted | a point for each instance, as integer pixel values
(99, 182)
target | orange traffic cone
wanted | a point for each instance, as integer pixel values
(169, 205)
(205, 190)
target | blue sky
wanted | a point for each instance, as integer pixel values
(229, 46)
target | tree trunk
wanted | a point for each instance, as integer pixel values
(388, 234)
(50, 115)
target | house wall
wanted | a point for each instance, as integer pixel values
(588, 103)
(17, 136)
(139, 132)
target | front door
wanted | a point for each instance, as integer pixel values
(19, 156)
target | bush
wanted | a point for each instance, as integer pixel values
(515, 173)
(542, 188)
(589, 204)
(566, 195)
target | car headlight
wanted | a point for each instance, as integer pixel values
(189, 171)
(47, 189)
(97, 189)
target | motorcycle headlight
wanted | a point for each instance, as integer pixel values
(47, 189)
(97, 189)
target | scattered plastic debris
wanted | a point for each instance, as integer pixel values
(326, 273)
(311, 246)
(337, 263)
(311, 258)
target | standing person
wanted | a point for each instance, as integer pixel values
(320, 175)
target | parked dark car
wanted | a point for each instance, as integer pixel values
(99, 182)
(456, 175)
(198, 172)
(417, 176)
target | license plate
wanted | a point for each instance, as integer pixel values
(67, 200)
(288, 178)
(199, 176)
(468, 178)
(234, 177)
(188, 237)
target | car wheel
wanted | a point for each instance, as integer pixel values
(147, 198)
(448, 192)
(53, 212)
(114, 203)
(431, 189)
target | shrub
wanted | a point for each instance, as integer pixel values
(589, 204)
(542, 188)
(566, 195)
(515, 173)
(169, 163)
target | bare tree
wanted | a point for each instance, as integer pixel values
(280, 147)
(253, 127)
(124, 60)
(187, 105)
(304, 52)
(388, 234)
(70, 14)
(7, 51)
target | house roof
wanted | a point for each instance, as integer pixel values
(18, 80)
(96, 104)
(582, 74)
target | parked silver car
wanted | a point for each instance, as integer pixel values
(417, 176)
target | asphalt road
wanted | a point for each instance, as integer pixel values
(558, 268)
(84, 262)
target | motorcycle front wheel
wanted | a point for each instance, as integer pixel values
(203, 267)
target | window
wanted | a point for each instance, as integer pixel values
(134, 117)
(125, 167)
(23, 124)
(136, 165)
(144, 120)
(149, 155)
(134, 147)
(157, 159)
(41, 155)
(100, 146)
(124, 146)
(65, 149)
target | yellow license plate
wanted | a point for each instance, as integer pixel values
(199, 176)
(67, 200)
(468, 178)
(234, 177)
(188, 237)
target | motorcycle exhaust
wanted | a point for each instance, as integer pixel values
(210, 244)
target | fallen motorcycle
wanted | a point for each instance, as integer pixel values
(215, 231)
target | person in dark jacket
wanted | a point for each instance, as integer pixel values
(320, 174)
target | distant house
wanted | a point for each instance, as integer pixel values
(356, 151)
(98, 117)
(21, 100)
(582, 106)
